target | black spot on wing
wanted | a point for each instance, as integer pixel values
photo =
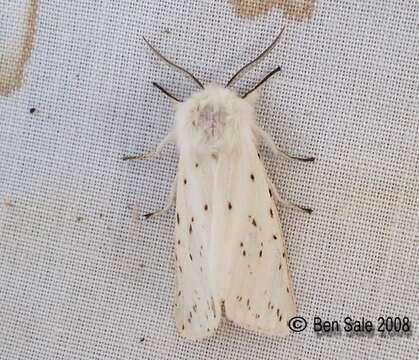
(252, 177)
(229, 206)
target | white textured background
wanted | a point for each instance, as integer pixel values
(83, 277)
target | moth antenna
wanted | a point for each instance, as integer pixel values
(254, 62)
(164, 91)
(273, 72)
(177, 67)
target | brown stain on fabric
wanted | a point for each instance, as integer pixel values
(8, 203)
(20, 45)
(293, 9)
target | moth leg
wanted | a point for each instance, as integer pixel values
(169, 139)
(285, 203)
(267, 138)
(169, 203)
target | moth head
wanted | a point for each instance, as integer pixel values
(209, 118)
(250, 96)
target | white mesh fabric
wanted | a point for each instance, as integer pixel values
(83, 276)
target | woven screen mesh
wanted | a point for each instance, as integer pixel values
(83, 275)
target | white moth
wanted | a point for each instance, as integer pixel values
(231, 260)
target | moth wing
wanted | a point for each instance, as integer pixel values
(252, 269)
(196, 312)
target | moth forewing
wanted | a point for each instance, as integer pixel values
(229, 239)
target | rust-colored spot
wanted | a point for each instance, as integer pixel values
(18, 34)
(293, 9)
(8, 203)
